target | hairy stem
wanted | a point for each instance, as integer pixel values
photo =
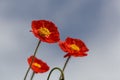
(35, 52)
(56, 68)
(66, 62)
(32, 75)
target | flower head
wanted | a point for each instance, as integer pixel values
(45, 30)
(38, 66)
(73, 47)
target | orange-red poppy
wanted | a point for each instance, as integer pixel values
(45, 30)
(73, 47)
(38, 66)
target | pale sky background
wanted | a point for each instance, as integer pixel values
(96, 22)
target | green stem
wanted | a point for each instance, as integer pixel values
(32, 59)
(56, 68)
(66, 62)
(32, 75)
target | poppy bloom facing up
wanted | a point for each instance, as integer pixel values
(38, 66)
(45, 30)
(73, 47)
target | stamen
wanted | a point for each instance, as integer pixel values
(37, 65)
(44, 32)
(74, 47)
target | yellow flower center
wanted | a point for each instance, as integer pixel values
(44, 32)
(74, 47)
(36, 65)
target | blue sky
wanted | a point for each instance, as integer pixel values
(96, 22)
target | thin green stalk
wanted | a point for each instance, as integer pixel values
(32, 75)
(56, 68)
(35, 52)
(66, 62)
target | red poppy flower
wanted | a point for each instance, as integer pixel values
(38, 66)
(73, 47)
(45, 30)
